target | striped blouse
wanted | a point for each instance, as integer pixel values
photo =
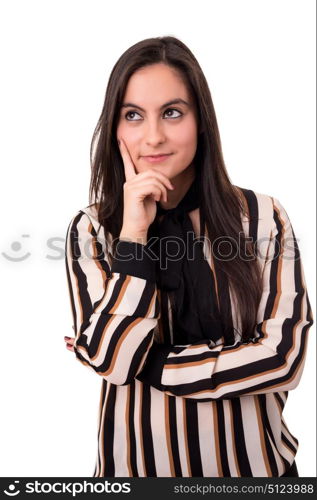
(205, 409)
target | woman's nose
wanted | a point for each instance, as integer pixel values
(154, 133)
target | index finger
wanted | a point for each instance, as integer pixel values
(129, 169)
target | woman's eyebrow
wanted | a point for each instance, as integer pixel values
(169, 103)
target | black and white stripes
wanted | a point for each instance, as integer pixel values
(188, 410)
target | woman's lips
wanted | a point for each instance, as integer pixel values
(156, 159)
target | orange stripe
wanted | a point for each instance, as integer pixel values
(168, 436)
(196, 346)
(279, 269)
(191, 363)
(147, 314)
(128, 430)
(217, 444)
(186, 438)
(267, 253)
(121, 294)
(118, 345)
(101, 437)
(96, 257)
(117, 349)
(141, 429)
(262, 439)
(233, 438)
(98, 264)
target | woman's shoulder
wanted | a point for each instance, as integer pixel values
(258, 205)
(84, 227)
(92, 212)
(88, 215)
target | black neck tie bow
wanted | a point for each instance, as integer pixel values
(183, 272)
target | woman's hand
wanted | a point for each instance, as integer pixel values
(69, 343)
(140, 191)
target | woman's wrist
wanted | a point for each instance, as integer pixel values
(130, 236)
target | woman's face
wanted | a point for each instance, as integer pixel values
(158, 128)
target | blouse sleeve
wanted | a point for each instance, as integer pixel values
(114, 312)
(273, 361)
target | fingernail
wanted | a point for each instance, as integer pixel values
(69, 345)
(66, 337)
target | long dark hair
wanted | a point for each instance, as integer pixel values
(222, 203)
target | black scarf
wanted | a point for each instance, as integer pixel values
(184, 273)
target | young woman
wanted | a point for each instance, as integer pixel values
(187, 292)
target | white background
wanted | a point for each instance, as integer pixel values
(259, 60)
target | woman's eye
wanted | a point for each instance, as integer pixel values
(129, 113)
(173, 109)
